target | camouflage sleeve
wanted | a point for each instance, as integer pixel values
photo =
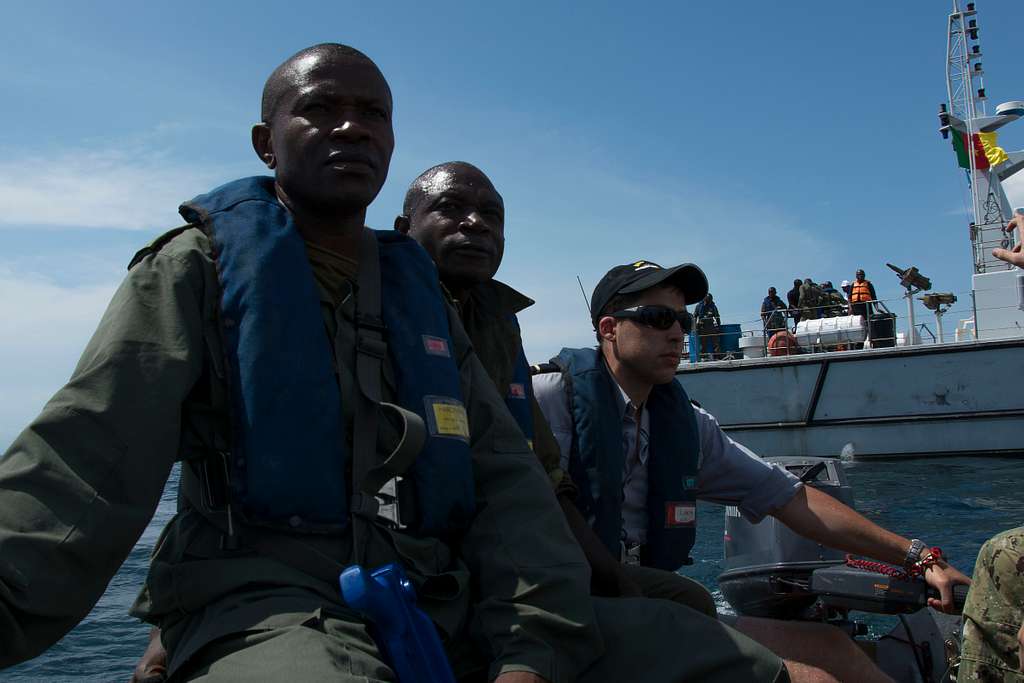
(80, 483)
(994, 611)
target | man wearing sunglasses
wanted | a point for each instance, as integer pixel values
(641, 455)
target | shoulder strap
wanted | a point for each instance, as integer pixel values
(544, 368)
(369, 476)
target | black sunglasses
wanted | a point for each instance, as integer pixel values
(658, 317)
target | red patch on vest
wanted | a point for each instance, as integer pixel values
(680, 514)
(516, 390)
(435, 346)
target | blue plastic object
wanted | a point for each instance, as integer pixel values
(730, 339)
(728, 342)
(402, 630)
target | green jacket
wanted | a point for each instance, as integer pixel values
(810, 301)
(80, 484)
(485, 315)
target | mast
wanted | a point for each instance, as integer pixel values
(966, 115)
(959, 53)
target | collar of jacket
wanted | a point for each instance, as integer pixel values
(492, 298)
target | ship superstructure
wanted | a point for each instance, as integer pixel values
(997, 287)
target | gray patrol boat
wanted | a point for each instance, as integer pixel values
(898, 396)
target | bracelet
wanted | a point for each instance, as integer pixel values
(913, 552)
(933, 557)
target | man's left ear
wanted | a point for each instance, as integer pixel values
(402, 224)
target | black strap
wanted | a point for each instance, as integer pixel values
(371, 349)
(544, 368)
(369, 475)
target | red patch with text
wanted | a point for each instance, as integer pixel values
(680, 514)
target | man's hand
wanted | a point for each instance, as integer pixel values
(519, 677)
(1013, 256)
(820, 517)
(942, 577)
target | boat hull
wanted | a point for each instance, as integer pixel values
(950, 399)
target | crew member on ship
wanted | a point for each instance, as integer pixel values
(862, 293)
(773, 313)
(709, 327)
(793, 297)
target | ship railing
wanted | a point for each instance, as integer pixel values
(924, 328)
(726, 338)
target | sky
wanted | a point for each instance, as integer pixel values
(761, 143)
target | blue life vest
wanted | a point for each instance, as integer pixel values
(597, 460)
(290, 452)
(519, 397)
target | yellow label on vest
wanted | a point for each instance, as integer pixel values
(447, 417)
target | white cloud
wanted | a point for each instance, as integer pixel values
(131, 187)
(47, 326)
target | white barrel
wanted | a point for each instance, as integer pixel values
(752, 347)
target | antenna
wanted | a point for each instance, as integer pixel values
(586, 302)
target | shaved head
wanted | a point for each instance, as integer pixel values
(285, 76)
(326, 131)
(458, 217)
(436, 179)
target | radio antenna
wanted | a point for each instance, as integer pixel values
(586, 302)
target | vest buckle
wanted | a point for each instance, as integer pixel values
(629, 553)
(371, 322)
(389, 510)
(382, 507)
(364, 505)
(369, 346)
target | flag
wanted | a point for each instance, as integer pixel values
(986, 152)
(995, 154)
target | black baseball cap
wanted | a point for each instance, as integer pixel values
(641, 275)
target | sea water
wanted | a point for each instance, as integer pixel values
(955, 503)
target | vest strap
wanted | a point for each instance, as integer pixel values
(414, 435)
(369, 502)
(370, 352)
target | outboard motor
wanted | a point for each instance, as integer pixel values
(767, 566)
(772, 572)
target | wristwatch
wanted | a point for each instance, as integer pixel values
(914, 552)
